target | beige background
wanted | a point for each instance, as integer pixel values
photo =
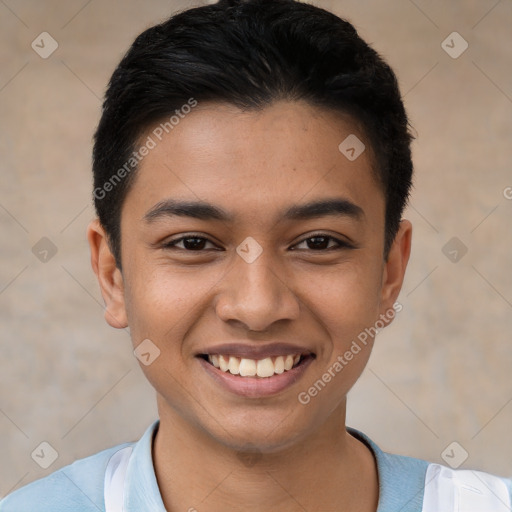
(440, 373)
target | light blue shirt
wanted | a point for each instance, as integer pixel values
(79, 487)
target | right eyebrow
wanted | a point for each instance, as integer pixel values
(195, 209)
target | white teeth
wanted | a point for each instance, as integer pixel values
(279, 365)
(247, 367)
(224, 363)
(251, 367)
(234, 365)
(265, 367)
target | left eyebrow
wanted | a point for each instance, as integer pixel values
(326, 207)
(201, 210)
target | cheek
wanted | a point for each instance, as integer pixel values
(162, 302)
(346, 300)
(163, 307)
(345, 303)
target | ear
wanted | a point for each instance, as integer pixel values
(109, 276)
(394, 269)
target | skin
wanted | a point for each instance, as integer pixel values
(270, 453)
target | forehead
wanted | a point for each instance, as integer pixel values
(254, 162)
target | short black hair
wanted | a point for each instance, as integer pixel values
(249, 53)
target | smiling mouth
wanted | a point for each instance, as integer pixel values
(260, 368)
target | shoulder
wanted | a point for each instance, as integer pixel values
(430, 487)
(415, 485)
(468, 489)
(78, 486)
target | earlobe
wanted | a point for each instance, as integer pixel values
(109, 276)
(394, 268)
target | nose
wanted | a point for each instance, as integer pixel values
(257, 295)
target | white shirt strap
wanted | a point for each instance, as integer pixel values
(114, 480)
(462, 490)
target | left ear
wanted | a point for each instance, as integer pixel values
(394, 268)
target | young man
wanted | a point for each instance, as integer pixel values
(251, 168)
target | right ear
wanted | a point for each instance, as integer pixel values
(109, 276)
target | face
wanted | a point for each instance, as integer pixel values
(250, 241)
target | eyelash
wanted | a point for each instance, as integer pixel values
(341, 244)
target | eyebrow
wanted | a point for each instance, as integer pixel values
(201, 210)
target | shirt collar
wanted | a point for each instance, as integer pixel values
(141, 487)
(401, 479)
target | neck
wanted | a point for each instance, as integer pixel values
(328, 470)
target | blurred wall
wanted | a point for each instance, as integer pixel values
(439, 374)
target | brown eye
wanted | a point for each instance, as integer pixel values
(189, 243)
(318, 242)
(322, 242)
(194, 244)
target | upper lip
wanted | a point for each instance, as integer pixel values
(255, 351)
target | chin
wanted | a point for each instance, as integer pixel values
(255, 435)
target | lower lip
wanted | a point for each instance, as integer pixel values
(257, 387)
